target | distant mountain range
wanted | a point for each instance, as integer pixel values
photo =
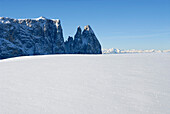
(118, 51)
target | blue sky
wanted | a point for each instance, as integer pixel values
(123, 24)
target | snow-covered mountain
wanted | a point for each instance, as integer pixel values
(42, 36)
(118, 51)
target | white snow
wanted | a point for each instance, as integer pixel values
(43, 18)
(117, 51)
(4, 21)
(86, 84)
(57, 21)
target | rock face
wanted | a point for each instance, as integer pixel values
(21, 37)
(84, 42)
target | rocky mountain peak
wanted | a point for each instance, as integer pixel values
(79, 31)
(88, 29)
(40, 36)
(78, 28)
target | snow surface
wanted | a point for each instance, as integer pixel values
(43, 18)
(86, 84)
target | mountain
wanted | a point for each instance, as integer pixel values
(118, 51)
(41, 36)
(84, 42)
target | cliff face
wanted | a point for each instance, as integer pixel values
(84, 42)
(21, 37)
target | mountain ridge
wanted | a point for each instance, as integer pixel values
(119, 51)
(40, 36)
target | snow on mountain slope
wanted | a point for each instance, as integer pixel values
(86, 84)
(118, 51)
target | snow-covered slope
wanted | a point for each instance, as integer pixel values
(86, 84)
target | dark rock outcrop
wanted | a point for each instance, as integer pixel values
(69, 45)
(22, 37)
(84, 42)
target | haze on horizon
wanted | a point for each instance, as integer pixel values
(123, 24)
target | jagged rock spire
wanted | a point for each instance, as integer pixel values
(88, 28)
(79, 29)
(84, 42)
(78, 33)
(90, 41)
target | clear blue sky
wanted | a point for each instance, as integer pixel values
(124, 24)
